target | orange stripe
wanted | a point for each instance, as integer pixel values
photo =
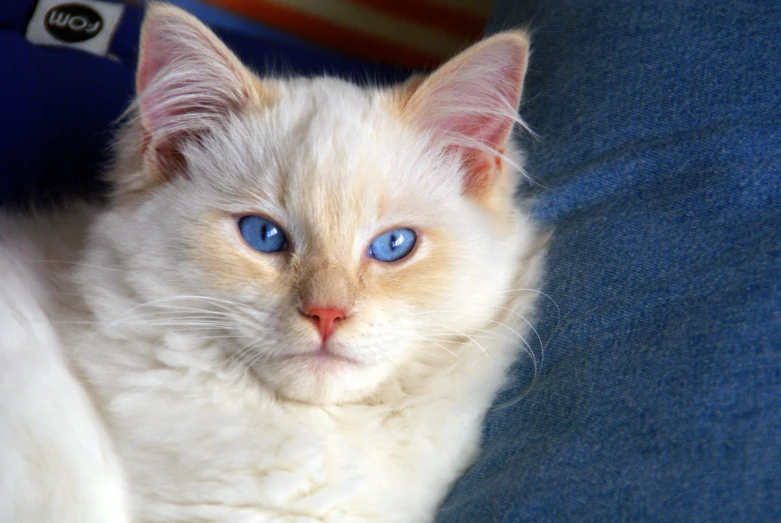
(322, 31)
(438, 16)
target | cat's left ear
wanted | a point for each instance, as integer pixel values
(469, 106)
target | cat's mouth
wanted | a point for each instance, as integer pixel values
(321, 357)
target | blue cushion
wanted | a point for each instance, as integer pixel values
(58, 106)
(659, 165)
(56, 110)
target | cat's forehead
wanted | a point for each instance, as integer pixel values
(325, 140)
(329, 120)
(323, 98)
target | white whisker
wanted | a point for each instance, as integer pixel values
(439, 345)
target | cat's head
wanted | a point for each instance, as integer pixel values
(326, 234)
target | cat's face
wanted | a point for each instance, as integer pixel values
(322, 232)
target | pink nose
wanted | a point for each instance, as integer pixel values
(325, 319)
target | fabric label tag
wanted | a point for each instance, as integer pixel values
(87, 25)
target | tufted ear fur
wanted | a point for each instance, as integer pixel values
(187, 81)
(470, 104)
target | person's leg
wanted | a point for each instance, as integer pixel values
(659, 165)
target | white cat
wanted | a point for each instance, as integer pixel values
(298, 305)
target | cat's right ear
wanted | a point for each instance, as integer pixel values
(187, 81)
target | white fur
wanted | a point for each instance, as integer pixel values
(56, 463)
(143, 334)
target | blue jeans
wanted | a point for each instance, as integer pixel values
(659, 165)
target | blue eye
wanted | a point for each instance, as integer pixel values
(392, 245)
(262, 235)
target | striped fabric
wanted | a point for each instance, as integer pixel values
(416, 33)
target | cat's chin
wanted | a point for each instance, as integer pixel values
(321, 378)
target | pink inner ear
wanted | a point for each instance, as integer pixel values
(470, 104)
(485, 130)
(159, 45)
(187, 80)
(148, 66)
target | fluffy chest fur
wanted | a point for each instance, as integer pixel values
(201, 445)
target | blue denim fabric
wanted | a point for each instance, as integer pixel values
(659, 164)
